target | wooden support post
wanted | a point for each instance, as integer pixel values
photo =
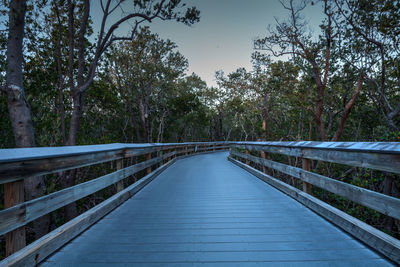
(120, 184)
(264, 155)
(13, 195)
(186, 152)
(247, 153)
(148, 157)
(306, 166)
(160, 153)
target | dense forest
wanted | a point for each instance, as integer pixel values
(338, 84)
(64, 83)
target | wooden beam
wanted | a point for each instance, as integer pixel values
(14, 195)
(13, 171)
(148, 157)
(264, 155)
(384, 161)
(380, 202)
(306, 167)
(21, 214)
(120, 184)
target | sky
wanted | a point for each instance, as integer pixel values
(223, 39)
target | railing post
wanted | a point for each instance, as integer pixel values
(160, 153)
(120, 184)
(264, 155)
(13, 195)
(306, 166)
(186, 152)
(247, 160)
(148, 157)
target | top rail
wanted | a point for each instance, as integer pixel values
(383, 156)
(20, 163)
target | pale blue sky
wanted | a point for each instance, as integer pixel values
(222, 40)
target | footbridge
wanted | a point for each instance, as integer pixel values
(214, 203)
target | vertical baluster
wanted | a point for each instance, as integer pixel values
(13, 195)
(306, 166)
(120, 184)
(148, 157)
(264, 155)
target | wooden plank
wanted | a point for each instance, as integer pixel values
(21, 214)
(264, 155)
(367, 147)
(383, 161)
(12, 171)
(120, 184)
(385, 244)
(14, 195)
(37, 251)
(306, 167)
(148, 157)
(384, 204)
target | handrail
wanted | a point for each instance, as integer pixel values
(373, 155)
(21, 163)
(383, 156)
(18, 164)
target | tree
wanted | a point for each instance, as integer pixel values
(145, 71)
(292, 38)
(19, 109)
(373, 30)
(142, 11)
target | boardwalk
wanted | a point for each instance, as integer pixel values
(206, 210)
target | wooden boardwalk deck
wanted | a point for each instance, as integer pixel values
(206, 210)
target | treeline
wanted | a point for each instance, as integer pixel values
(73, 82)
(80, 87)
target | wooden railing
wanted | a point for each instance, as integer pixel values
(377, 156)
(19, 164)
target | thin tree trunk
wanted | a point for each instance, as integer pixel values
(18, 107)
(348, 108)
(264, 117)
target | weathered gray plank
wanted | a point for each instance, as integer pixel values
(371, 147)
(379, 160)
(380, 241)
(12, 171)
(382, 203)
(43, 247)
(20, 163)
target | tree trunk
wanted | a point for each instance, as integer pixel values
(348, 108)
(69, 177)
(20, 113)
(18, 107)
(143, 119)
(264, 117)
